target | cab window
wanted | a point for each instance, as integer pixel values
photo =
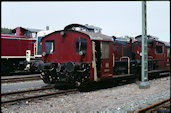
(168, 52)
(49, 46)
(26, 33)
(39, 44)
(159, 49)
(80, 45)
(105, 49)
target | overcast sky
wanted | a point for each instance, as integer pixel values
(119, 18)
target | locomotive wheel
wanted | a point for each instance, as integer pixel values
(45, 78)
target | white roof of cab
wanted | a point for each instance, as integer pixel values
(44, 33)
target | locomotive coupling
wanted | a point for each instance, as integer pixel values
(77, 84)
(71, 66)
(34, 64)
(44, 53)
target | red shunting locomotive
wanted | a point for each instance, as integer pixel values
(76, 55)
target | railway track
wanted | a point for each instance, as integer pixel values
(19, 79)
(29, 78)
(13, 97)
(159, 107)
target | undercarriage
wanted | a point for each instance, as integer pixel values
(72, 73)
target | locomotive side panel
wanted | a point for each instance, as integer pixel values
(118, 51)
(16, 48)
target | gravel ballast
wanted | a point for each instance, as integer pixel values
(118, 99)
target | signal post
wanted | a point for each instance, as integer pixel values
(144, 64)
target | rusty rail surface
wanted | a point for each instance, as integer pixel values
(25, 91)
(19, 79)
(159, 107)
(63, 92)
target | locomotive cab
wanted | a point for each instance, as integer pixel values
(76, 55)
(157, 53)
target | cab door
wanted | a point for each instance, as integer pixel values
(106, 59)
(159, 54)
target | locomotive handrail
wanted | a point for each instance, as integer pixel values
(150, 57)
(94, 62)
(113, 60)
(128, 62)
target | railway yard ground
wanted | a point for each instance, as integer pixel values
(120, 98)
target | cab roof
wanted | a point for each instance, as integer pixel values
(92, 31)
(27, 29)
(98, 36)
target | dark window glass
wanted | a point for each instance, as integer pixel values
(50, 46)
(39, 49)
(168, 52)
(26, 33)
(81, 44)
(159, 49)
(77, 45)
(105, 49)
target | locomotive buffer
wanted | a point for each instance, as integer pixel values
(144, 68)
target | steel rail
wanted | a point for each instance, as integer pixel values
(40, 96)
(10, 80)
(153, 106)
(25, 91)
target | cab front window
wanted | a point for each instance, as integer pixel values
(80, 45)
(50, 46)
(159, 49)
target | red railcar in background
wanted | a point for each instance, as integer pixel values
(14, 47)
(158, 53)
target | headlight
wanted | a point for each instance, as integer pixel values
(44, 53)
(58, 69)
(80, 53)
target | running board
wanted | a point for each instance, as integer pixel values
(124, 75)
